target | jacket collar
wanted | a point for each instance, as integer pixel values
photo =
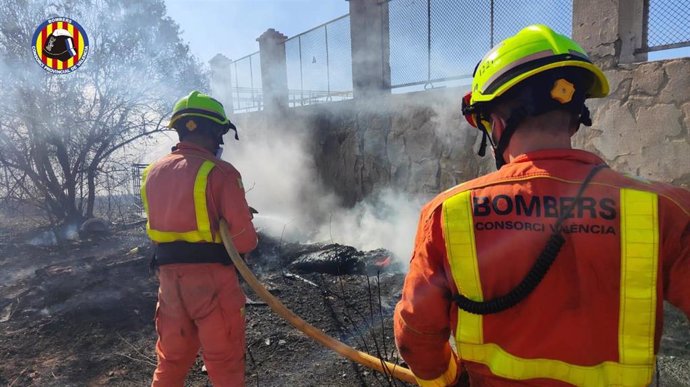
(577, 155)
(188, 146)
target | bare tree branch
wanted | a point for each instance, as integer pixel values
(64, 140)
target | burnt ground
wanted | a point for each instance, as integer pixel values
(80, 314)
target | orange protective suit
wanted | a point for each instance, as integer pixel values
(568, 331)
(200, 302)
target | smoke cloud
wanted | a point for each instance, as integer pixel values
(282, 183)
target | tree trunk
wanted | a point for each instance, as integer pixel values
(91, 195)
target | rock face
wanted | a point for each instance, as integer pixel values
(94, 227)
(420, 143)
(416, 142)
(642, 127)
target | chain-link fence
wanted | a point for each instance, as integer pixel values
(319, 64)
(246, 83)
(137, 171)
(432, 41)
(667, 24)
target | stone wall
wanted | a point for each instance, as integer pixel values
(642, 127)
(415, 142)
(419, 143)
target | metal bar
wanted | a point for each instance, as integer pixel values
(645, 26)
(663, 47)
(492, 24)
(237, 86)
(428, 41)
(251, 79)
(246, 56)
(468, 76)
(301, 77)
(328, 70)
(317, 27)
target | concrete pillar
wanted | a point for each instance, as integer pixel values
(371, 73)
(611, 30)
(221, 81)
(273, 70)
(632, 28)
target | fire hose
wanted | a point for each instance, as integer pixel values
(327, 341)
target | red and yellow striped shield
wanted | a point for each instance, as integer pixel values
(60, 45)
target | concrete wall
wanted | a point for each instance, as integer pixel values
(415, 142)
(642, 127)
(419, 143)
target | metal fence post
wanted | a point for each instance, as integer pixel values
(491, 13)
(301, 71)
(428, 43)
(328, 64)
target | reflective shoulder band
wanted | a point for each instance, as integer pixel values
(639, 270)
(200, 206)
(458, 229)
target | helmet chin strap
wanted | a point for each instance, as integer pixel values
(517, 116)
(513, 122)
(485, 138)
(585, 118)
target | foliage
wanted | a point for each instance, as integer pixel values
(63, 138)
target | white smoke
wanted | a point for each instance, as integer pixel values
(385, 220)
(282, 183)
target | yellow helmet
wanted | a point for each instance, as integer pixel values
(557, 71)
(192, 109)
(534, 49)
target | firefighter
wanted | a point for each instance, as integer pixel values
(200, 302)
(553, 270)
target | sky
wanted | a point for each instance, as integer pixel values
(230, 27)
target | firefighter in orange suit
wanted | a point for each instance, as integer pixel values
(200, 302)
(551, 271)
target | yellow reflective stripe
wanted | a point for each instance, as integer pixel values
(458, 229)
(202, 223)
(505, 365)
(167, 236)
(639, 265)
(203, 232)
(444, 380)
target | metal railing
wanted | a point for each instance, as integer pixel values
(431, 43)
(434, 41)
(137, 170)
(312, 97)
(666, 25)
(246, 83)
(319, 63)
